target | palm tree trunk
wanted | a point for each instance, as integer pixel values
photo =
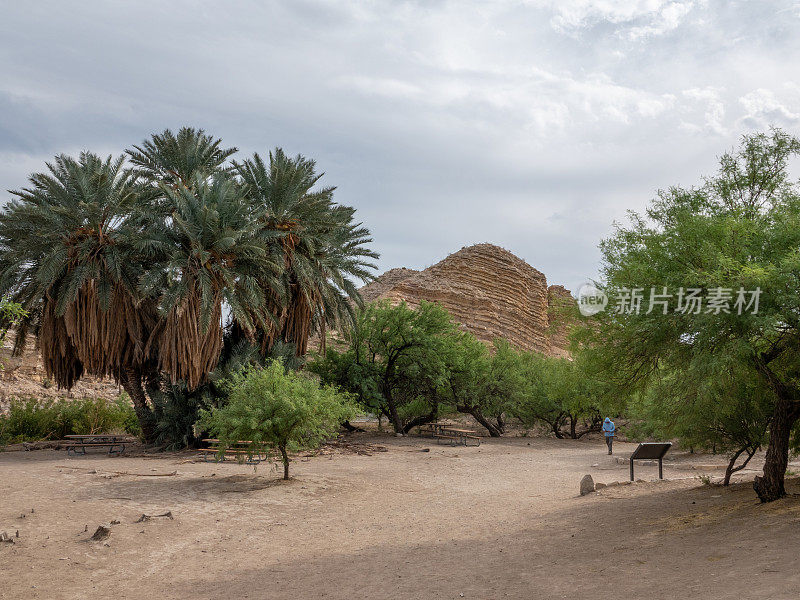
(131, 379)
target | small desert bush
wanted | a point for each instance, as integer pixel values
(276, 408)
(34, 419)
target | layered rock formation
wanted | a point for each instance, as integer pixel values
(491, 292)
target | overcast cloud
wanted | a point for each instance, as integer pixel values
(529, 124)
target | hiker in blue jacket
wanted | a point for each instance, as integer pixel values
(608, 429)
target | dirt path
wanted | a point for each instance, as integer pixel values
(500, 521)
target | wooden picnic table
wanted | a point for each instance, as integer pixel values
(446, 431)
(80, 442)
(238, 449)
(434, 427)
(458, 435)
(95, 437)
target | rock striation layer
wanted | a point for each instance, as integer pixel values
(488, 290)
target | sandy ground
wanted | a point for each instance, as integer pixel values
(500, 521)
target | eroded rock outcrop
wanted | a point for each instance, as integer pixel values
(491, 292)
(383, 284)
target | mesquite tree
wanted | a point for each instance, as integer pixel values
(559, 393)
(273, 408)
(740, 229)
(724, 411)
(395, 361)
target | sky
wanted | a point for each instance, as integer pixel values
(531, 124)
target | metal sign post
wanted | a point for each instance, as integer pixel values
(651, 451)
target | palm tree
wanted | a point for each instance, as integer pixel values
(206, 259)
(67, 258)
(135, 273)
(315, 240)
(177, 160)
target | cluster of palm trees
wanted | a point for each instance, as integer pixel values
(134, 268)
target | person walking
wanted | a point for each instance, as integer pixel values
(609, 429)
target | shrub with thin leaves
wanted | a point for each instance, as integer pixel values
(276, 409)
(33, 419)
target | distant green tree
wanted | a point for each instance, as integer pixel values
(739, 229)
(395, 361)
(278, 409)
(479, 382)
(581, 395)
(415, 365)
(558, 392)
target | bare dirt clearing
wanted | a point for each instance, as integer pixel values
(500, 521)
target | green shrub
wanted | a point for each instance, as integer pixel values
(34, 419)
(177, 409)
(124, 416)
(278, 409)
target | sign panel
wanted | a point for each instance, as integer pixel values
(651, 451)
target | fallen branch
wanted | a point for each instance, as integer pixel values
(352, 428)
(346, 446)
(90, 470)
(94, 471)
(144, 517)
(145, 474)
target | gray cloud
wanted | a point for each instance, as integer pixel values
(530, 124)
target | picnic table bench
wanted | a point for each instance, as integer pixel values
(433, 428)
(238, 450)
(80, 442)
(446, 431)
(457, 436)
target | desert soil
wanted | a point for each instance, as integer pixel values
(500, 521)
